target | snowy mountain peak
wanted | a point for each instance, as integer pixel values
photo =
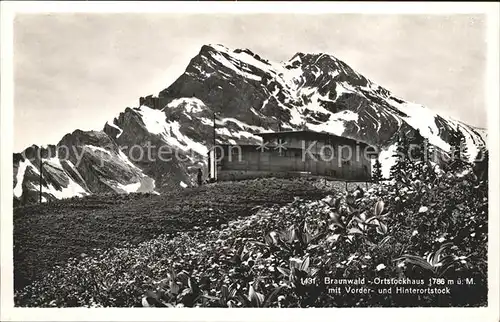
(247, 94)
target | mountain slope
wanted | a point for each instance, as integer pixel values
(249, 95)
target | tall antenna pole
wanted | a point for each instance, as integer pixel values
(214, 155)
(214, 131)
(40, 196)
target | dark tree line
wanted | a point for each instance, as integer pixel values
(417, 159)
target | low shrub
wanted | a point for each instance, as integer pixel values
(285, 256)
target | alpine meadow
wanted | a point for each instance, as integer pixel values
(254, 183)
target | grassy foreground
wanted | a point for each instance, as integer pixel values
(404, 244)
(49, 234)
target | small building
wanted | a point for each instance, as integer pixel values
(293, 154)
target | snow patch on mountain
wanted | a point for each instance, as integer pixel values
(145, 183)
(423, 119)
(343, 87)
(18, 189)
(240, 134)
(154, 120)
(241, 124)
(242, 63)
(230, 63)
(129, 188)
(72, 189)
(206, 121)
(54, 162)
(191, 104)
(387, 159)
(184, 142)
(238, 57)
(112, 124)
(96, 148)
(297, 115)
(292, 77)
(315, 100)
(23, 166)
(156, 123)
(336, 123)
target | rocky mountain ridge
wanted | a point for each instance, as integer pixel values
(248, 95)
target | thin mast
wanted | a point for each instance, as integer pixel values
(214, 161)
(40, 196)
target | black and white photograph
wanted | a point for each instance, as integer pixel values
(188, 159)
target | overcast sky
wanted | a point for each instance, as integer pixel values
(77, 71)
